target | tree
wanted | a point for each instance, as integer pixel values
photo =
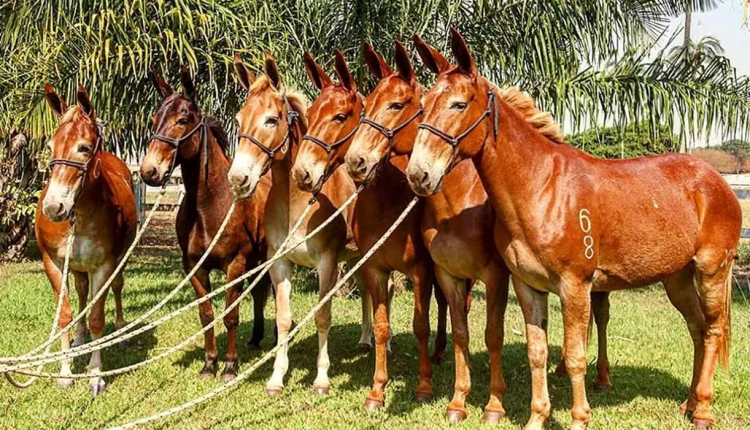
(633, 140)
(740, 149)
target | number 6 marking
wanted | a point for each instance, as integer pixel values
(588, 241)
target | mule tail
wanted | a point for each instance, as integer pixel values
(726, 340)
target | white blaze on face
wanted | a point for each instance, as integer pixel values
(428, 163)
(59, 201)
(245, 174)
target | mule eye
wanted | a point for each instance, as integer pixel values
(339, 118)
(272, 120)
(396, 106)
(182, 121)
(84, 149)
(458, 106)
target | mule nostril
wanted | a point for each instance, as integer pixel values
(60, 208)
(152, 173)
(361, 167)
(425, 178)
(308, 179)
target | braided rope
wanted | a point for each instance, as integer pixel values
(102, 291)
(94, 346)
(244, 375)
(58, 310)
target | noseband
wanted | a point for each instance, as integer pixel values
(291, 117)
(454, 141)
(389, 133)
(176, 143)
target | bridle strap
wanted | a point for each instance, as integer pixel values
(291, 116)
(176, 143)
(388, 133)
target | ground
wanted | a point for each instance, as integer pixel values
(650, 353)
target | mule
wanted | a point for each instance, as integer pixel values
(564, 226)
(90, 191)
(333, 122)
(272, 122)
(184, 136)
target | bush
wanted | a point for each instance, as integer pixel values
(637, 139)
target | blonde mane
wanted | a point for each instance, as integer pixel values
(72, 114)
(295, 98)
(525, 105)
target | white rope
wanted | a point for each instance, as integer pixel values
(99, 294)
(244, 375)
(94, 346)
(58, 311)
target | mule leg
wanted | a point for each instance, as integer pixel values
(379, 285)
(423, 282)
(714, 290)
(365, 338)
(534, 307)
(232, 320)
(455, 295)
(54, 274)
(328, 272)
(576, 308)
(82, 287)
(391, 292)
(260, 298)
(117, 285)
(281, 274)
(96, 324)
(441, 338)
(497, 280)
(202, 285)
(600, 308)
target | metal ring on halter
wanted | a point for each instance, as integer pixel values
(291, 117)
(390, 133)
(176, 143)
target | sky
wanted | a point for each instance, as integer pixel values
(726, 24)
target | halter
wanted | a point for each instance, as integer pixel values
(454, 141)
(291, 116)
(329, 148)
(389, 133)
(83, 167)
(176, 143)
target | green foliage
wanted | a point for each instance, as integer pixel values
(634, 140)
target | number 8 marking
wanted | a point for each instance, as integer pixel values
(588, 241)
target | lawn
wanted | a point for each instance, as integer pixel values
(650, 353)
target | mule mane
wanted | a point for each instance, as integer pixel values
(296, 100)
(525, 105)
(73, 113)
(219, 134)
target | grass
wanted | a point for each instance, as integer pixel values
(650, 351)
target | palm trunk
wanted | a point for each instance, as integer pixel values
(686, 49)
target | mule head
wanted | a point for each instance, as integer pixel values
(268, 122)
(333, 118)
(459, 115)
(391, 115)
(177, 130)
(75, 147)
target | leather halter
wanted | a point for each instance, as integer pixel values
(176, 143)
(83, 167)
(389, 133)
(291, 116)
(454, 141)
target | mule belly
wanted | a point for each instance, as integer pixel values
(458, 256)
(87, 254)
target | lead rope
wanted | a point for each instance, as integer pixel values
(56, 320)
(84, 349)
(244, 375)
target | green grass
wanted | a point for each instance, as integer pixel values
(650, 352)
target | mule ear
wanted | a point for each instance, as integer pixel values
(375, 62)
(272, 71)
(54, 101)
(188, 87)
(431, 57)
(462, 54)
(161, 85)
(403, 62)
(244, 75)
(318, 77)
(342, 71)
(85, 102)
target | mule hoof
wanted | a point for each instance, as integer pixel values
(603, 388)
(437, 359)
(229, 372)
(65, 383)
(701, 424)
(422, 397)
(455, 415)
(320, 390)
(253, 344)
(372, 405)
(208, 371)
(364, 348)
(122, 344)
(492, 418)
(274, 391)
(97, 389)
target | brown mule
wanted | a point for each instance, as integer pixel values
(95, 188)
(184, 136)
(565, 226)
(333, 121)
(272, 121)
